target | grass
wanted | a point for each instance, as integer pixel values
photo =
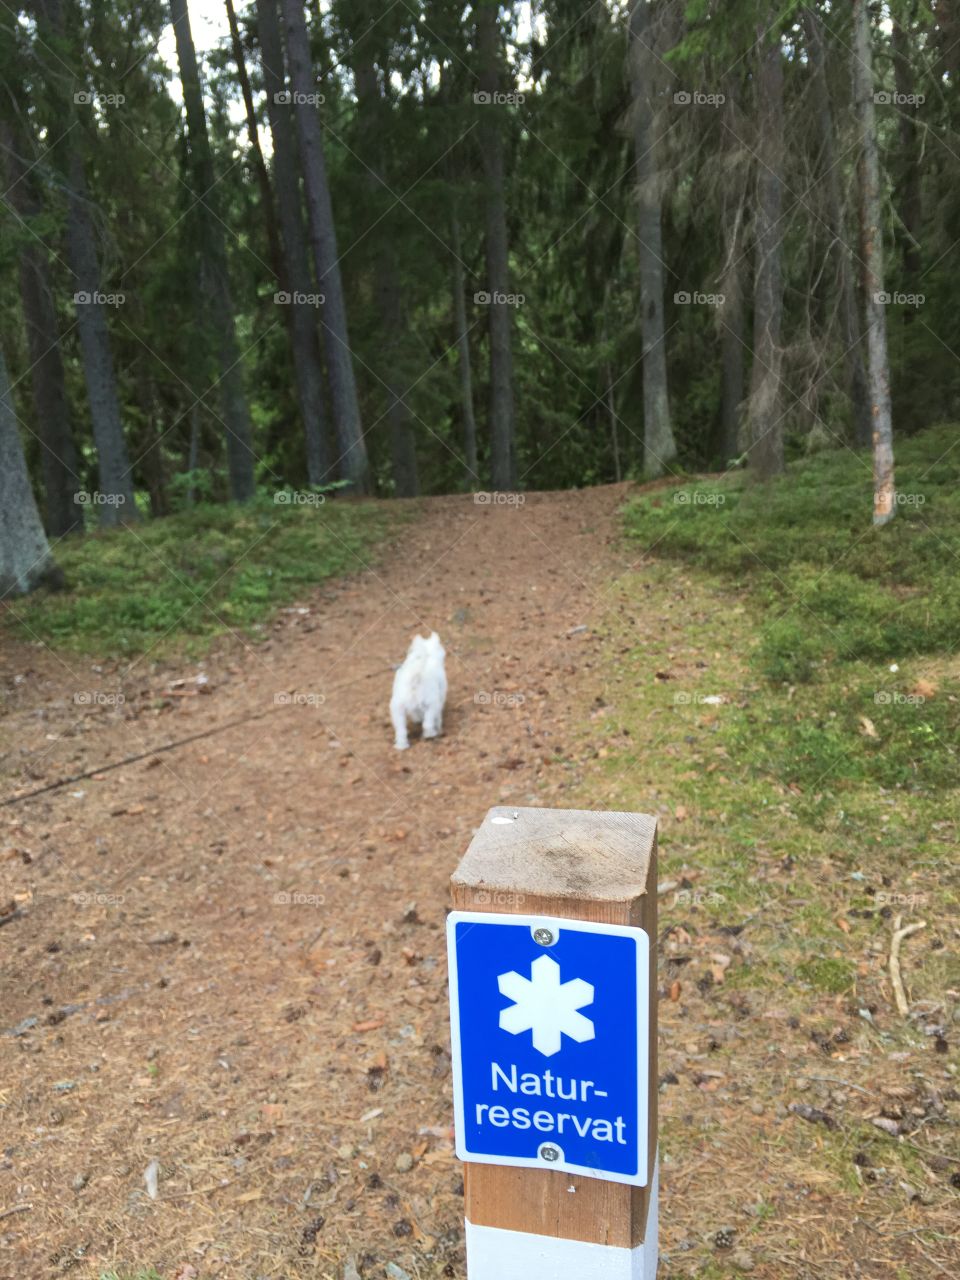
(148, 1274)
(782, 691)
(839, 609)
(177, 583)
(832, 587)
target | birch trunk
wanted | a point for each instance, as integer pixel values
(764, 422)
(884, 500)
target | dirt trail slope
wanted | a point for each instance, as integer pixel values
(228, 957)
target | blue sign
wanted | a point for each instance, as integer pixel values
(550, 1023)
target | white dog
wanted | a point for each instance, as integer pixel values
(419, 690)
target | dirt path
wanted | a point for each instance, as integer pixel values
(229, 958)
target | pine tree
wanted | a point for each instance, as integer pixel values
(214, 269)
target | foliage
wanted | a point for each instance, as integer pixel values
(841, 607)
(834, 589)
(216, 569)
(403, 168)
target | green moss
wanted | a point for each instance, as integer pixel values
(180, 581)
(834, 588)
(837, 604)
(832, 976)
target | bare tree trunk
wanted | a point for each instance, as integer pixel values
(296, 278)
(236, 416)
(194, 451)
(152, 465)
(732, 313)
(323, 236)
(909, 196)
(115, 480)
(764, 429)
(58, 456)
(463, 356)
(855, 371)
(609, 397)
(614, 433)
(118, 502)
(403, 453)
(260, 168)
(502, 427)
(884, 503)
(25, 559)
(659, 446)
(732, 347)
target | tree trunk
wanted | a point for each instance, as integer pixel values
(608, 397)
(884, 503)
(910, 205)
(236, 416)
(946, 41)
(659, 446)
(152, 460)
(732, 347)
(732, 312)
(323, 236)
(25, 559)
(502, 428)
(117, 503)
(764, 429)
(855, 371)
(194, 450)
(612, 414)
(296, 278)
(260, 168)
(403, 454)
(463, 357)
(58, 456)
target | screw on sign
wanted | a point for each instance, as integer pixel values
(553, 1026)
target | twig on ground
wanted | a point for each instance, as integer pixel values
(17, 1208)
(847, 1084)
(898, 937)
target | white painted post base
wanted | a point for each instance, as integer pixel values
(494, 1254)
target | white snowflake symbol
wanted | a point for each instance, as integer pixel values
(546, 1006)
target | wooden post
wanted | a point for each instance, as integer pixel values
(537, 1223)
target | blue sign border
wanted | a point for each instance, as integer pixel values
(557, 925)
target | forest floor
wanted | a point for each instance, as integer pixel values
(228, 958)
